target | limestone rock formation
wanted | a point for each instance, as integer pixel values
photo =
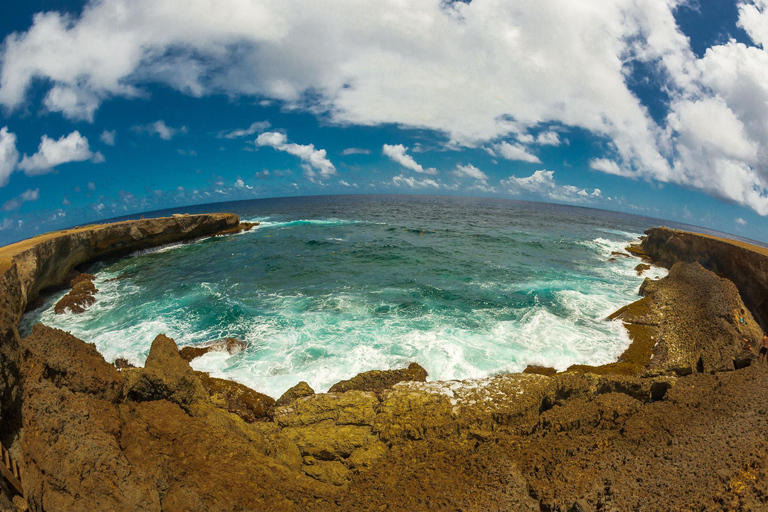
(165, 376)
(377, 380)
(300, 390)
(230, 345)
(79, 297)
(744, 264)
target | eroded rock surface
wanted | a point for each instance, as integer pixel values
(378, 380)
(230, 345)
(666, 436)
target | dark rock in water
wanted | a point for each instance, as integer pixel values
(79, 297)
(121, 363)
(620, 254)
(231, 345)
(243, 226)
(642, 267)
(540, 370)
(236, 398)
(80, 278)
(300, 390)
(165, 376)
(377, 380)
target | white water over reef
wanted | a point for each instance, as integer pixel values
(321, 298)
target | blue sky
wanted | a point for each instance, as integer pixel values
(656, 107)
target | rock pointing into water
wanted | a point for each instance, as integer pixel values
(79, 297)
(378, 381)
(230, 345)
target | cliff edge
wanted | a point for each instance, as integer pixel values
(48, 261)
(744, 264)
(684, 430)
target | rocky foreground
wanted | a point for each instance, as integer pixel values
(678, 423)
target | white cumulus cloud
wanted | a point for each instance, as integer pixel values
(70, 148)
(16, 202)
(9, 155)
(315, 159)
(477, 72)
(542, 184)
(411, 182)
(257, 127)
(108, 137)
(470, 171)
(397, 153)
(515, 152)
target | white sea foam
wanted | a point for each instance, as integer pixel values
(324, 339)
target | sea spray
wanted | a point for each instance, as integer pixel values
(320, 292)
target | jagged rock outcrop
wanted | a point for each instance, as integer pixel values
(300, 390)
(744, 264)
(689, 321)
(79, 297)
(230, 345)
(165, 437)
(48, 261)
(378, 380)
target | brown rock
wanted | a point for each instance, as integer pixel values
(378, 381)
(67, 362)
(642, 267)
(746, 265)
(540, 370)
(121, 363)
(166, 376)
(231, 345)
(300, 390)
(330, 472)
(243, 226)
(236, 398)
(79, 297)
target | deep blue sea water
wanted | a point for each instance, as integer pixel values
(327, 287)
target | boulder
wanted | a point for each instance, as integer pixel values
(250, 405)
(230, 345)
(377, 381)
(79, 297)
(300, 390)
(166, 376)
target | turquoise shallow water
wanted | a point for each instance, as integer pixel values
(328, 287)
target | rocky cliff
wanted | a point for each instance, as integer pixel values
(684, 431)
(744, 264)
(49, 260)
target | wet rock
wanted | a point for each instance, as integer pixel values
(231, 345)
(165, 376)
(377, 381)
(540, 370)
(642, 267)
(243, 226)
(122, 363)
(250, 405)
(300, 390)
(615, 254)
(79, 297)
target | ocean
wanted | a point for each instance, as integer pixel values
(327, 287)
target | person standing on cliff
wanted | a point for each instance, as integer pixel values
(764, 348)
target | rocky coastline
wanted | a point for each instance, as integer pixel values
(677, 423)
